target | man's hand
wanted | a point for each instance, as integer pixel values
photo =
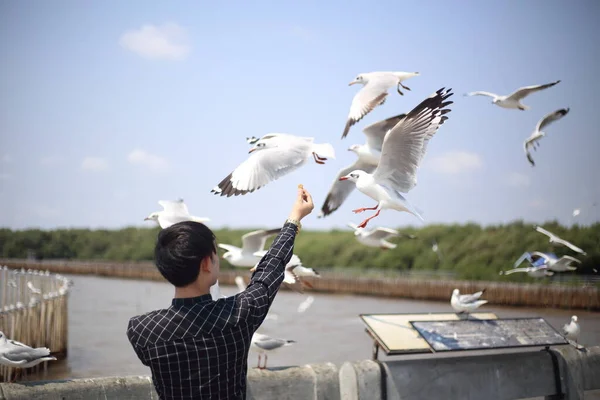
(303, 204)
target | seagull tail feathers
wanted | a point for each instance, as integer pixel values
(324, 150)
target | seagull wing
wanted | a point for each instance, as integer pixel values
(470, 298)
(371, 95)
(176, 207)
(522, 92)
(481, 93)
(264, 166)
(570, 245)
(255, 241)
(545, 232)
(567, 260)
(229, 247)
(550, 118)
(340, 190)
(25, 354)
(382, 233)
(375, 133)
(524, 256)
(404, 145)
(269, 343)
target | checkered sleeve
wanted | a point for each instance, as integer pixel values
(132, 336)
(256, 300)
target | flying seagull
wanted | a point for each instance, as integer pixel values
(513, 100)
(376, 237)
(550, 260)
(368, 159)
(17, 354)
(273, 156)
(534, 272)
(172, 213)
(556, 239)
(264, 344)
(293, 273)
(251, 243)
(466, 302)
(533, 140)
(403, 149)
(373, 93)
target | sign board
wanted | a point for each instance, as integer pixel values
(472, 334)
(395, 334)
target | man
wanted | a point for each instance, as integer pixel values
(198, 348)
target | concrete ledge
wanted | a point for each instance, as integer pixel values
(466, 375)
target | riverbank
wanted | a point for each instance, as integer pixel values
(497, 293)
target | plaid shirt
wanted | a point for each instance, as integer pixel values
(198, 348)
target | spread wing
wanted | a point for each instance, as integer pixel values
(551, 117)
(370, 96)
(340, 190)
(262, 167)
(176, 207)
(383, 233)
(376, 132)
(255, 241)
(521, 93)
(545, 232)
(405, 145)
(481, 93)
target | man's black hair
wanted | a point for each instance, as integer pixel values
(180, 249)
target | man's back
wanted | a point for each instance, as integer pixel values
(197, 347)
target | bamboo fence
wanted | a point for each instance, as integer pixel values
(33, 311)
(421, 286)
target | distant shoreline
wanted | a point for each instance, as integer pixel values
(497, 293)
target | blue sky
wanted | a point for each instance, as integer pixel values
(106, 108)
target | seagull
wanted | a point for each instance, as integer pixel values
(274, 155)
(17, 354)
(533, 140)
(557, 264)
(293, 273)
(32, 288)
(373, 93)
(534, 272)
(403, 150)
(264, 344)
(513, 100)
(576, 212)
(368, 159)
(252, 242)
(556, 239)
(572, 329)
(376, 237)
(466, 302)
(172, 213)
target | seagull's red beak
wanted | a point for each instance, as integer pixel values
(343, 178)
(251, 150)
(352, 83)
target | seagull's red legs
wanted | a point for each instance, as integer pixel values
(359, 210)
(364, 223)
(318, 159)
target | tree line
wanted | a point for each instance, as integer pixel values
(470, 251)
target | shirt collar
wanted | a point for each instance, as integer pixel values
(190, 301)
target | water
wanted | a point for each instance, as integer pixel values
(330, 330)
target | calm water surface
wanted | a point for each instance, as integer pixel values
(330, 330)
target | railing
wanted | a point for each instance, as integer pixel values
(33, 311)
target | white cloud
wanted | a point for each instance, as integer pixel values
(169, 41)
(95, 164)
(456, 162)
(518, 179)
(151, 161)
(51, 160)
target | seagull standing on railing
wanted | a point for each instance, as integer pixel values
(17, 354)
(466, 302)
(571, 330)
(264, 344)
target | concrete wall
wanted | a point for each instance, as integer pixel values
(466, 375)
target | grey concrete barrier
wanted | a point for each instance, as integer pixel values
(563, 370)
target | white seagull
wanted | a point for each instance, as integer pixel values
(273, 156)
(376, 237)
(556, 239)
(513, 100)
(17, 354)
(294, 271)
(373, 93)
(172, 213)
(368, 159)
(264, 344)
(466, 302)
(557, 264)
(533, 140)
(571, 330)
(403, 150)
(252, 242)
(535, 272)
